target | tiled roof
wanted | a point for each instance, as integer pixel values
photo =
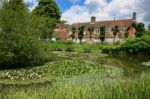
(62, 25)
(109, 24)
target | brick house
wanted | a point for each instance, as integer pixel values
(132, 32)
(109, 37)
(62, 32)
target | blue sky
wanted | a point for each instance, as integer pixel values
(65, 5)
(81, 10)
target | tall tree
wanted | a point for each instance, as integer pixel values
(49, 10)
(148, 26)
(126, 32)
(91, 30)
(115, 31)
(81, 33)
(18, 46)
(140, 28)
(73, 30)
(102, 33)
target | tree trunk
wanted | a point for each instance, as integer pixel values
(114, 39)
(80, 41)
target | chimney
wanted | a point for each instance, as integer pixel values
(114, 19)
(93, 19)
(134, 16)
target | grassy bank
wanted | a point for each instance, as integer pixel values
(53, 71)
(70, 46)
(86, 87)
(74, 72)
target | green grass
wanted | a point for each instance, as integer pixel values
(79, 77)
(80, 88)
(54, 70)
(64, 45)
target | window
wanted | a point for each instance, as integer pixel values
(97, 31)
(108, 30)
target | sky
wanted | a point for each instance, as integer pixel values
(74, 11)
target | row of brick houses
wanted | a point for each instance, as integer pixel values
(63, 31)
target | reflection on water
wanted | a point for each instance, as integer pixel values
(131, 65)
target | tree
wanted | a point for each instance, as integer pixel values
(18, 44)
(49, 10)
(91, 29)
(102, 33)
(148, 26)
(140, 28)
(126, 32)
(80, 34)
(147, 32)
(73, 29)
(115, 31)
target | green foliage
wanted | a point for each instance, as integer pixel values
(102, 33)
(73, 30)
(87, 50)
(19, 46)
(137, 46)
(140, 28)
(115, 30)
(46, 26)
(70, 48)
(148, 26)
(67, 68)
(81, 31)
(49, 12)
(48, 8)
(85, 87)
(126, 32)
(91, 30)
(147, 32)
(63, 45)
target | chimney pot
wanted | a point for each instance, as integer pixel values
(134, 15)
(114, 19)
(93, 19)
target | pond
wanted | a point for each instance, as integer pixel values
(71, 63)
(132, 66)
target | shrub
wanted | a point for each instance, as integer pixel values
(87, 50)
(137, 46)
(69, 48)
(70, 42)
(18, 39)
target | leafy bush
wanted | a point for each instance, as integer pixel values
(87, 50)
(137, 46)
(18, 39)
(70, 42)
(69, 48)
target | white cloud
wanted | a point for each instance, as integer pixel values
(32, 3)
(103, 10)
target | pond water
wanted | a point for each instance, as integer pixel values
(132, 66)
